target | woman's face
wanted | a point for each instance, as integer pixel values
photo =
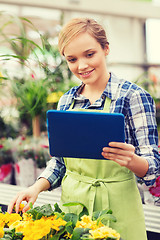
(86, 59)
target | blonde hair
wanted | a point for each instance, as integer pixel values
(81, 25)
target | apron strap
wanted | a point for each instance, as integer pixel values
(107, 104)
(94, 183)
(106, 107)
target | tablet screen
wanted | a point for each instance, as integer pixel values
(83, 134)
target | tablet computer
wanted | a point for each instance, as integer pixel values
(83, 134)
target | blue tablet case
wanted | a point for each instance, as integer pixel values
(83, 134)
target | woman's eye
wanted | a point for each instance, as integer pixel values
(90, 54)
(72, 60)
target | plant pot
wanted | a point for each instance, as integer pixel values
(6, 173)
(25, 172)
(36, 126)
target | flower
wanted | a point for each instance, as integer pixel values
(11, 218)
(21, 206)
(44, 223)
(155, 190)
(55, 222)
(87, 222)
(1, 232)
(1, 77)
(2, 220)
(5, 151)
(25, 147)
(54, 97)
(104, 233)
(34, 229)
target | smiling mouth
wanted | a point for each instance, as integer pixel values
(85, 74)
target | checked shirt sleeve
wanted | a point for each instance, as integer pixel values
(143, 130)
(54, 172)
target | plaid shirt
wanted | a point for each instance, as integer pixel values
(140, 123)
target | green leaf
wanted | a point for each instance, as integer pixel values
(105, 218)
(84, 208)
(71, 217)
(97, 214)
(38, 212)
(111, 238)
(69, 204)
(58, 235)
(10, 234)
(78, 232)
(31, 205)
(7, 238)
(57, 208)
(31, 95)
(69, 227)
(86, 237)
(59, 215)
(46, 210)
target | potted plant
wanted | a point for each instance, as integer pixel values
(6, 161)
(38, 77)
(45, 223)
(30, 158)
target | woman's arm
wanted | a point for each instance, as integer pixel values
(54, 172)
(124, 155)
(29, 195)
(140, 152)
(49, 179)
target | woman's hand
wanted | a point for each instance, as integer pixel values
(29, 195)
(124, 155)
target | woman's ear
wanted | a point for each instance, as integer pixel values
(107, 49)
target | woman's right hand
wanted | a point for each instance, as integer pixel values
(29, 195)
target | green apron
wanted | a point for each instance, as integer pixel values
(104, 184)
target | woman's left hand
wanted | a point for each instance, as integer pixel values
(119, 152)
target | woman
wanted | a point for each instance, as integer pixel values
(103, 184)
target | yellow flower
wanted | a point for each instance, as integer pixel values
(55, 222)
(2, 220)
(1, 232)
(35, 230)
(2, 223)
(11, 218)
(46, 227)
(27, 217)
(18, 225)
(68, 235)
(21, 206)
(54, 97)
(1, 77)
(104, 232)
(86, 222)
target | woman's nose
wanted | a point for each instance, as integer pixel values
(82, 64)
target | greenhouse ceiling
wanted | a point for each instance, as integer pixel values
(125, 8)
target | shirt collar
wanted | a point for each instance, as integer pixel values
(112, 87)
(110, 90)
(78, 92)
